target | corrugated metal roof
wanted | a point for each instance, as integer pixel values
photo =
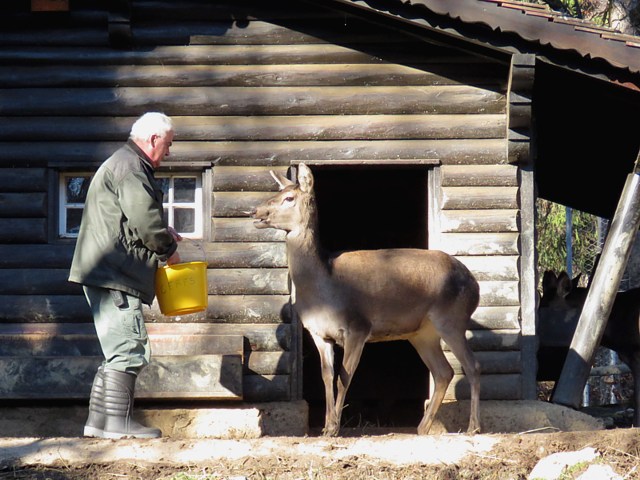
(538, 23)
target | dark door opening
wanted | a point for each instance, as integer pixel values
(372, 208)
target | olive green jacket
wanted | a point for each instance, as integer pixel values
(122, 234)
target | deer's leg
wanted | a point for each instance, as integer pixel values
(427, 344)
(457, 342)
(353, 346)
(325, 349)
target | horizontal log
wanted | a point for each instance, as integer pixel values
(240, 309)
(236, 255)
(233, 309)
(237, 204)
(52, 76)
(75, 36)
(221, 281)
(494, 387)
(471, 198)
(243, 230)
(496, 318)
(493, 267)
(23, 205)
(248, 281)
(55, 256)
(22, 180)
(85, 344)
(211, 377)
(276, 153)
(228, 55)
(264, 127)
(23, 230)
(492, 340)
(491, 363)
(479, 175)
(499, 293)
(273, 338)
(447, 99)
(252, 179)
(268, 363)
(266, 388)
(477, 221)
(479, 243)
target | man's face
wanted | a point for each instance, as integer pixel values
(160, 148)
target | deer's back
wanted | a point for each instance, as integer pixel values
(400, 280)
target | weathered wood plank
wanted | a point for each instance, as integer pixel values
(211, 377)
(274, 338)
(44, 308)
(491, 363)
(268, 363)
(24, 281)
(496, 318)
(230, 55)
(86, 344)
(240, 309)
(476, 221)
(247, 75)
(248, 281)
(276, 153)
(479, 175)
(23, 230)
(250, 179)
(471, 198)
(36, 256)
(236, 255)
(447, 99)
(21, 180)
(266, 388)
(479, 243)
(221, 281)
(492, 268)
(23, 205)
(492, 340)
(237, 204)
(494, 387)
(499, 293)
(243, 230)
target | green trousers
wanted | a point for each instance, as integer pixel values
(120, 327)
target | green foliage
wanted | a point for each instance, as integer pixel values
(551, 240)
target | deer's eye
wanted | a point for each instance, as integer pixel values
(288, 199)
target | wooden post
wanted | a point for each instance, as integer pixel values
(601, 294)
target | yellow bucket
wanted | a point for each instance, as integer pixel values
(181, 288)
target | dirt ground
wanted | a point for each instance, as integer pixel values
(354, 455)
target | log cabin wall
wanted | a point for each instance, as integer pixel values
(251, 87)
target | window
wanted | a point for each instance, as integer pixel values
(73, 193)
(183, 203)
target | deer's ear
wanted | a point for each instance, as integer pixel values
(282, 181)
(305, 178)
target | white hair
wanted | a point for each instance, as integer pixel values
(151, 123)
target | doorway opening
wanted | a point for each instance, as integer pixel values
(372, 207)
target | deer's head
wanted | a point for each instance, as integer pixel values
(293, 208)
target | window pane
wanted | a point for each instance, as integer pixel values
(184, 220)
(164, 183)
(184, 189)
(76, 188)
(74, 215)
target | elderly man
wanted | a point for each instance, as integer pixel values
(122, 237)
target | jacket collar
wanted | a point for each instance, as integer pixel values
(143, 156)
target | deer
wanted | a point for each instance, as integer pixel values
(560, 294)
(351, 298)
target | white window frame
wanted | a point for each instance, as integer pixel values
(197, 204)
(63, 206)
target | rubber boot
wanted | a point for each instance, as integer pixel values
(95, 421)
(119, 388)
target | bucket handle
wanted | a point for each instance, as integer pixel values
(198, 244)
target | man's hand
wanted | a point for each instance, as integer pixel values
(173, 259)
